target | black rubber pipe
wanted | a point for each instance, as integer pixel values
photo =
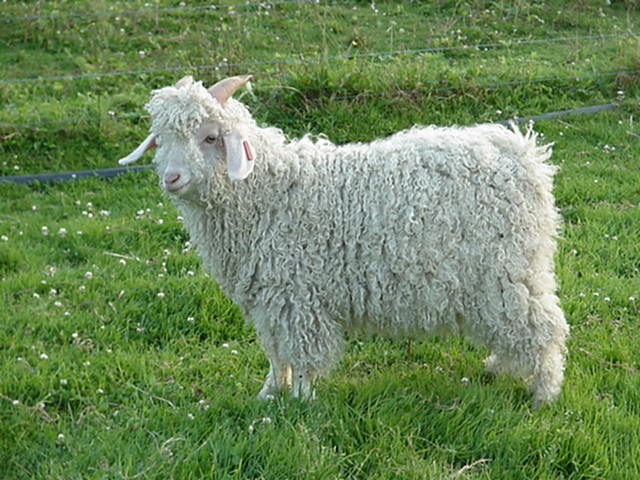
(112, 172)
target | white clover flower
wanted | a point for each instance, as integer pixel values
(4, 238)
(265, 420)
(61, 437)
(63, 382)
(62, 231)
(44, 356)
(160, 294)
(88, 275)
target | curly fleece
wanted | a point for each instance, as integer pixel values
(429, 230)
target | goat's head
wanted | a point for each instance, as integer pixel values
(194, 129)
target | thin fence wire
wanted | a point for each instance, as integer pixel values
(491, 86)
(302, 59)
(155, 11)
(431, 88)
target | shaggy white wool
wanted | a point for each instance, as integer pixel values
(428, 230)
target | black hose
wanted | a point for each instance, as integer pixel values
(56, 177)
(112, 172)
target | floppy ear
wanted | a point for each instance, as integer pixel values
(147, 144)
(240, 155)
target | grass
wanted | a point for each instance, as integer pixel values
(120, 359)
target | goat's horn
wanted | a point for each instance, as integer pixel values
(223, 90)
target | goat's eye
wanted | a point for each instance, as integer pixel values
(211, 139)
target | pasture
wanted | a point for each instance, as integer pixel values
(121, 359)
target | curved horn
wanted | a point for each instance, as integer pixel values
(223, 90)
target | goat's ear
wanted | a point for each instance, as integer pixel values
(148, 144)
(240, 155)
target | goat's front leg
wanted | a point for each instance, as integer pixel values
(302, 344)
(278, 379)
(303, 380)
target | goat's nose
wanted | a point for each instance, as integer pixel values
(171, 178)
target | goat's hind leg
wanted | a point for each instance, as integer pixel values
(494, 364)
(548, 375)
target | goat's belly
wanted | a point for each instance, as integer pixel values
(407, 303)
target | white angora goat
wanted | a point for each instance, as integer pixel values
(431, 229)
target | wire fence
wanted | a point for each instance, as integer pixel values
(432, 88)
(302, 58)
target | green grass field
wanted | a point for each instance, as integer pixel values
(121, 359)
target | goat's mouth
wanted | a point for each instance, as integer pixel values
(177, 188)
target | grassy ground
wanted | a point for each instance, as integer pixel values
(120, 359)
